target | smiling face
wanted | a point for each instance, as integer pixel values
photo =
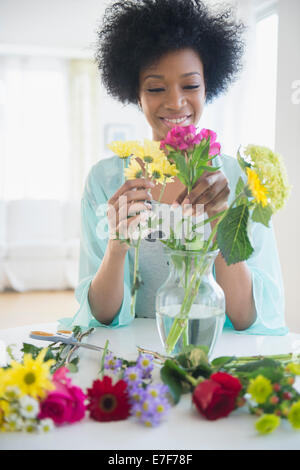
(172, 91)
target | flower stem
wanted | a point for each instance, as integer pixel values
(136, 264)
(180, 323)
(163, 189)
(101, 371)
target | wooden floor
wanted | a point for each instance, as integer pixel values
(17, 309)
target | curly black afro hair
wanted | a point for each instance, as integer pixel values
(136, 33)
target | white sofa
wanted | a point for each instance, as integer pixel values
(39, 244)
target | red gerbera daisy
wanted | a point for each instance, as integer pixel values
(108, 402)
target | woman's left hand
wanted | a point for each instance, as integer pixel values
(211, 190)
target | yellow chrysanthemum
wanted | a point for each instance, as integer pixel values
(134, 170)
(150, 152)
(124, 149)
(272, 173)
(267, 423)
(32, 376)
(260, 388)
(3, 380)
(258, 190)
(294, 415)
(169, 170)
(155, 171)
(5, 410)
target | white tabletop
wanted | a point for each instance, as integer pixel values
(184, 428)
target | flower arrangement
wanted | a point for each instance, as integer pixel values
(260, 192)
(36, 396)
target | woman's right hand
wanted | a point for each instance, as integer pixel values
(130, 200)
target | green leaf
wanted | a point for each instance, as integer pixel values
(72, 367)
(201, 152)
(232, 235)
(262, 214)
(219, 362)
(252, 366)
(182, 167)
(171, 379)
(239, 186)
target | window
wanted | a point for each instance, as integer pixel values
(34, 124)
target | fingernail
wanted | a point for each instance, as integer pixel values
(152, 184)
(175, 204)
(186, 201)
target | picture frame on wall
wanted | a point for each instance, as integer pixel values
(116, 131)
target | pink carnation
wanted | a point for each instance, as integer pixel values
(65, 404)
(214, 147)
(185, 138)
(181, 138)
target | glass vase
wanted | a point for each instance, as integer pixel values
(190, 305)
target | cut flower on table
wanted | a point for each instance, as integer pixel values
(265, 387)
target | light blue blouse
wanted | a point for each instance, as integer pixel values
(104, 179)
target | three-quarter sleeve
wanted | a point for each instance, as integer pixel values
(93, 243)
(267, 284)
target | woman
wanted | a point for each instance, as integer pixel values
(169, 57)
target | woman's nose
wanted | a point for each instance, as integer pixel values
(175, 99)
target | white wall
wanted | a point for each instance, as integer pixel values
(64, 25)
(287, 222)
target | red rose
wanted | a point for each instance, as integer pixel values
(216, 397)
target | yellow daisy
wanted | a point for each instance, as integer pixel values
(33, 375)
(134, 170)
(258, 190)
(124, 149)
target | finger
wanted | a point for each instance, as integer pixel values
(141, 183)
(137, 207)
(217, 204)
(206, 187)
(121, 204)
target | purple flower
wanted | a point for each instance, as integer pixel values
(145, 363)
(133, 376)
(111, 362)
(136, 393)
(152, 405)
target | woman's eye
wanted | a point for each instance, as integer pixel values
(154, 90)
(191, 87)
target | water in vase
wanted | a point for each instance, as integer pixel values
(204, 326)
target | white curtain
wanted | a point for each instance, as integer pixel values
(49, 126)
(85, 121)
